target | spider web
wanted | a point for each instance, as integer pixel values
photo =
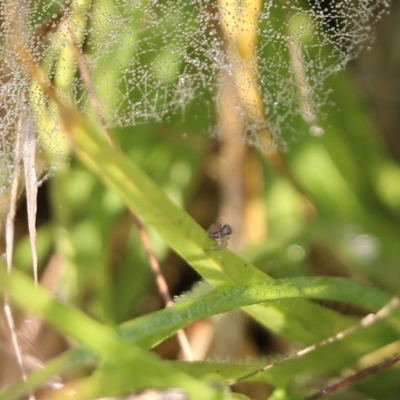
(164, 61)
(153, 61)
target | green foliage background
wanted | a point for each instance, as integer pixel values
(350, 177)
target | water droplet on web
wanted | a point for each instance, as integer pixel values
(317, 131)
(296, 252)
(155, 68)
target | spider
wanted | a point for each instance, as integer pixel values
(220, 233)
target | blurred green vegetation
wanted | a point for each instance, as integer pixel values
(335, 211)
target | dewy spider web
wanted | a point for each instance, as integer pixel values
(166, 61)
(153, 61)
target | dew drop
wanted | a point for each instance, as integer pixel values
(317, 131)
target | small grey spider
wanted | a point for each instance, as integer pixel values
(220, 233)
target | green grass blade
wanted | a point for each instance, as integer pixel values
(97, 337)
(220, 268)
(66, 361)
(126, 368)
(149, 330)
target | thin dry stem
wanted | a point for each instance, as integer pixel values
(161, 283)
(351, 380)
(93, 98)
(15, 21)
(363, 323)
(10, 247)
(31, 181)
(154, 264)
(13, 199)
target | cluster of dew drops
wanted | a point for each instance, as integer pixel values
(150, 60)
